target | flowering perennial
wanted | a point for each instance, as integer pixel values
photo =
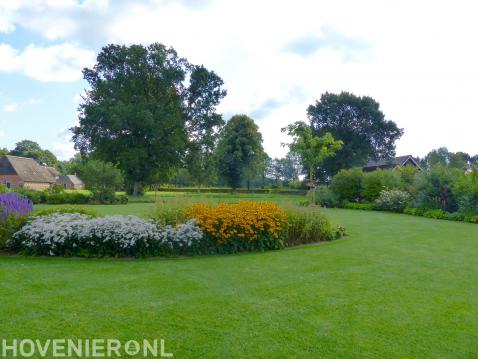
(246, 220)
(13, 204)
(79, 234)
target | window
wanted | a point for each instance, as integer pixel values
(9, 185)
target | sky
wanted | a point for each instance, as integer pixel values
(418, 59)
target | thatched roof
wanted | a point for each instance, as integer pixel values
(75, 180)
(26, 168)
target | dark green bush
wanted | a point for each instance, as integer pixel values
(325, 197)
(347, 185)
(9, 226)
(375, 182)
(435, 186)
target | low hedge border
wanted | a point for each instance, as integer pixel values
(430, 213)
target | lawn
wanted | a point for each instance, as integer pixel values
(397, 287)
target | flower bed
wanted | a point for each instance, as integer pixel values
(72, 234)
(247, 225)
(203, 229)
(13, 212)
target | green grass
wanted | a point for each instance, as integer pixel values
(145, 207)
(397, 287)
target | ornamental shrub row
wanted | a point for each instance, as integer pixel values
(64, 197)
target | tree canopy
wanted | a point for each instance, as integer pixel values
(31, 149)
(143, 108)
(239, 152)
(359, 123)
(313, 150)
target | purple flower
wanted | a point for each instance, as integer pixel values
(13, 204)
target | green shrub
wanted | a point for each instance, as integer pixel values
(360, 206)
(36, 197)
(3, 188)
(66, 209)
(9, 226)
(377, 181)
(435, 188)
(436, 214)
(309, 225)
(347, 185)
(394, 200)
(414, 211)
(465, 191)
(325, 197)
(304, 202)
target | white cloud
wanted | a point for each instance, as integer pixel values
(15, 106)
(10, 107)
(63, 148)
(59, 63)
(415, 58)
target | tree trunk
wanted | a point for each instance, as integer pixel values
(312, 186)
(136, 189)
(248, 185)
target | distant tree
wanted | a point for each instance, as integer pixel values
(72, 166)
(313, 150)
(359, 123)
(443, 157)
(31, 149)
(4, 151)
(140, 113)
(239, 150)
(203, 123)
(102, 179)
(285, 169)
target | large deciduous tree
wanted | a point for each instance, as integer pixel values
(359, 123)
(203, 123)
(239, 152)
(144, 106)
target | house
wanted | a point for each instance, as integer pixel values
(71, 182)
(24, 172)
(54, 172)
(391, 163)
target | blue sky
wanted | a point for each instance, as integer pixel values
(417, 59)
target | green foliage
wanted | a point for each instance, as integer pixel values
(312, 149)
(3, 188)
(359, 123)
(325, 197)
(140, 113)
(347, 184)
(360, 206)
(407, 176)
(9, 226)
(102, 179)
(376, 181)
(394, 200)
(66, 209)
(309, 225)
(31, 149)
(466, 192)
(239, 152)
(435, 188)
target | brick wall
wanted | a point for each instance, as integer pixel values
(13, 180)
